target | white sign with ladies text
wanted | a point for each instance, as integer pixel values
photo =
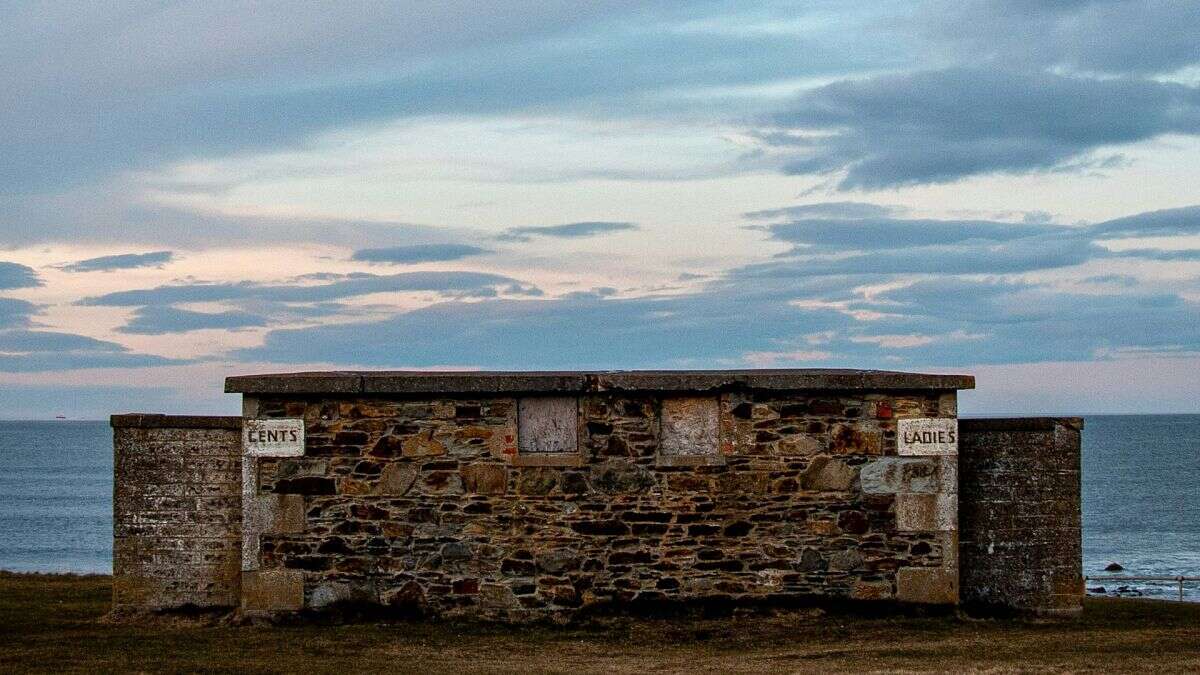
(925, 436)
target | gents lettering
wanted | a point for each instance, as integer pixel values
(275, 435)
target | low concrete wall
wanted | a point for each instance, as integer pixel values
(1019, 516)
(176, 512)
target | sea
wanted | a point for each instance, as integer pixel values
(1141, 503)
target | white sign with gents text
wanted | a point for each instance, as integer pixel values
(274, 437)
(927, 436)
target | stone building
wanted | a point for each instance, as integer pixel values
(525, 496)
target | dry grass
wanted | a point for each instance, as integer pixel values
(53, 623)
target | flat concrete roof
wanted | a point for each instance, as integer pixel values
(156, 421)
(518, 382)
(1018, 423)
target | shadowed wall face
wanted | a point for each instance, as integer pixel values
(176, 512)
(1020, 516)
(434, 503)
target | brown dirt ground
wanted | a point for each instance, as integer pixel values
(52, 623)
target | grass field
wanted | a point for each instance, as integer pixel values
(54, 623)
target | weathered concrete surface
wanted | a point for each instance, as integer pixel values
(926, 512)
(889, 475)
(927, 585)
(548, 424)
(478, 382)
(1020, 515)
(158, 421)
(271, 591)
(176, 512)
(690, 431)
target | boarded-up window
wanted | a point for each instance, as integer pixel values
(548, 427)
(690, 431)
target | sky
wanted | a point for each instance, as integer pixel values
(1005, 188)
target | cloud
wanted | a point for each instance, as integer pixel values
(913, 340)
(15, 275)
(1014, 321)
(954, 325)
(95, 217)
(15, 313)
(890, 246)
(579, 331)
(1164, 223)
(852, 210)
(51, 341)
(159, 320)
(94, 104)
(877, 288)
(565, 231)
(478, 284)
(238, 112)
(944, 125)
(877, 292)
(1158, 254)
(977, 301)
(102, 104)
(1022, 255)
(98, 107)
(870, 233)
(123, 261)
(418, 253)
(785, 359)
(1115, 37)
(27, 351)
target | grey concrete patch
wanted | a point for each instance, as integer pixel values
(252, 514)
(926, 512)
(547, 425)
(927, 585)
(891, 475)
(690, 426)
(266, 591)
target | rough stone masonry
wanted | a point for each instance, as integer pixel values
(521, 496)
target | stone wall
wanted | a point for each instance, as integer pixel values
(1020, 519)
(176, 512)
(433, 503)
(524, 496)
